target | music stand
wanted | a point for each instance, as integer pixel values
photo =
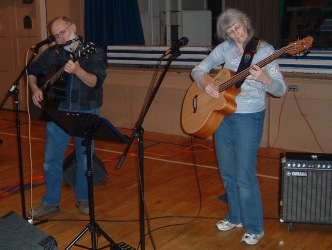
(88, 126)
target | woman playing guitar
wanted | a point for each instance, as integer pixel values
(238, 136)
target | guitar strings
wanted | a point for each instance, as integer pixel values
(238, 77)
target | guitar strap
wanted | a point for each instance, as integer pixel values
(248, 55)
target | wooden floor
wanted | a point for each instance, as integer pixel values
(182, 194)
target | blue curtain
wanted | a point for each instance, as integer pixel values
(113, 22)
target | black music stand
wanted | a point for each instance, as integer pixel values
(88, 126)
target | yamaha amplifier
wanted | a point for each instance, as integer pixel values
(305, 194)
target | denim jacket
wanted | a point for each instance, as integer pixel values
(78, 95)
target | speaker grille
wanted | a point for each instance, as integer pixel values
(305, 190)
(17, 233)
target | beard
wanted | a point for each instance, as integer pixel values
(70, 47)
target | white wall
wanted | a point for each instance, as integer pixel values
(150, 15)
(300, 121)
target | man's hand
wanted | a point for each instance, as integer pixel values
(37, 94)
(72, 67)
(75, 68)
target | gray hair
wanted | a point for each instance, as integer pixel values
(228, 18)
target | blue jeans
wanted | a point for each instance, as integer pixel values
(57, 141)
(237, 141)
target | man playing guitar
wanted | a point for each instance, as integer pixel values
(82, 80)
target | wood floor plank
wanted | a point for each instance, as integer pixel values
(182, 194)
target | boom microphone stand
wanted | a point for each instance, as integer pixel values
(139, 131)
(15, 91)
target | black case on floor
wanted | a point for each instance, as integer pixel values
(17, 233)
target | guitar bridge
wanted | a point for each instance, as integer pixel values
(195, 104)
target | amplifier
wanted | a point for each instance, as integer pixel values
(17, 233)
(305, 194)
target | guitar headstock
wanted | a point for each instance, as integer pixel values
(86, 51)
(299, 45)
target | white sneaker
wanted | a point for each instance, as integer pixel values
(251, 239)
(225, 225)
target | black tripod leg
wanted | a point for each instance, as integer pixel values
(95, 231)
(112, 243)
(93, 227)
(77, 238)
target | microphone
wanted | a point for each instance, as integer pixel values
(49, 39)
(180, 43)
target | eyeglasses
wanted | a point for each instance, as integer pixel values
(61, 33)
(234, 29)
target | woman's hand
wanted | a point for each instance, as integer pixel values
(208, 87)
(258, 74)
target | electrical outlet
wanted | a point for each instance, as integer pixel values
(294, 88)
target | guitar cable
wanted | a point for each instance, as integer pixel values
(29, 136)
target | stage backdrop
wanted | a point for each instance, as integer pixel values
(113, 22)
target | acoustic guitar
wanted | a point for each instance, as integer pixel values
(53, 85)
(202, 114)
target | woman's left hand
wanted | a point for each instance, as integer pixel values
(258, 74)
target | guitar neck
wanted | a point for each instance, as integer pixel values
(53, 79)
(57, 75)
(243, 74)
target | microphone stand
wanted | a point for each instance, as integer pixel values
(15, 91)
(138, 133)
